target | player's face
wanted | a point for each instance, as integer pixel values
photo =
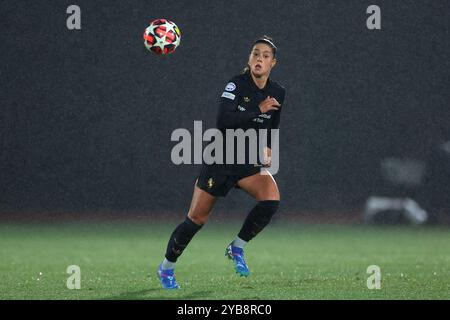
(261, 60)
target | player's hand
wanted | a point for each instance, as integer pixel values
(268, 104)
(267, 162)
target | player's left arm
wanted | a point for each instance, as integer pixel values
(275, 124)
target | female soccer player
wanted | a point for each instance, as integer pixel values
(250, 101)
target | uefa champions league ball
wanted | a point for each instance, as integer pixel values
(162, 36)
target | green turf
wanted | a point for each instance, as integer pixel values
(118, 261)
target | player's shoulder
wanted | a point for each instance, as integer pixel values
(235, 85)
(242, 77)
(232, 88)
(237, 80)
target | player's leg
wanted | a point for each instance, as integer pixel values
(201, 206)
(265, 190)
(261, 186)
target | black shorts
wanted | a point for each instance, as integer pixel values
(217, 182)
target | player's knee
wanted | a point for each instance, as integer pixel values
(198, 218)
(271, 194)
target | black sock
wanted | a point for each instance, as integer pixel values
(180, 238)
(258, 218)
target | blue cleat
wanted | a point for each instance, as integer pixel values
(167, 278)
(237, 255)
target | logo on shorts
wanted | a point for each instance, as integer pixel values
(246, 99)
(210, 183)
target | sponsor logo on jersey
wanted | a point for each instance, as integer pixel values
(266, 116)
(230, 87)
(228, 95)
(240, 108)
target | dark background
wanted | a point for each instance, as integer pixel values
(86, 116)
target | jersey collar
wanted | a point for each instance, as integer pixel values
(253, 84)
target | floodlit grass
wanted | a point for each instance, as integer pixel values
(118, 261)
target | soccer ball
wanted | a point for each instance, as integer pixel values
(162, 36)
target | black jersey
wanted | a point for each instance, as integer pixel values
(239, 109)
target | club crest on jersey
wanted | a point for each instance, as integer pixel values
(210, 183)
(230, 87)
(246, 99)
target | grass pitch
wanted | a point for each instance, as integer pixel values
(118, 261)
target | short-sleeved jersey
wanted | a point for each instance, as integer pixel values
(239, 109)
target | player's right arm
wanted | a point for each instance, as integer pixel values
(229, 116)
